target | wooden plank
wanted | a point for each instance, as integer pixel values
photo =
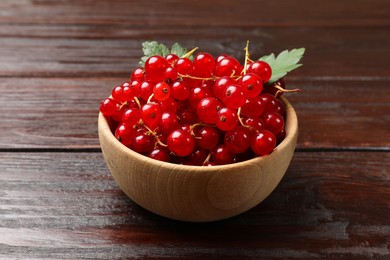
(62, 112)
(67, 205)
(201, 13)
(90, 51)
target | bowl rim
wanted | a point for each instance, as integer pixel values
(291, 131)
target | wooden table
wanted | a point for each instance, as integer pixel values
(58, 59)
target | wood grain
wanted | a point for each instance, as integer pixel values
(91, 51)
(61, 205)
(200, 13)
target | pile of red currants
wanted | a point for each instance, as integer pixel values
(205, 111)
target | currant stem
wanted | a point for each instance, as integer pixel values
(240, 119)
(155, 136)
(194, 77)
(192, 127)
(246, 56)
(122, 105)
(188, 54)
(138, 103)
(282, 90)
(150, 98)
(207, 159)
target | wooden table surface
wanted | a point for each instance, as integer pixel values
(58, 59)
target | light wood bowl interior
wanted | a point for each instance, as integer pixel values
(197, 193)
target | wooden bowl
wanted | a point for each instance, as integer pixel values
(197, 193)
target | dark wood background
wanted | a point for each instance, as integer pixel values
(59, 58)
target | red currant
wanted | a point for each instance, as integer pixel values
(221, 155)
(263, 142)
(253, 107)
(207, 137)
(168, 122)
(180, 90)
(228, 66)
(238, 139)
(143, 143)
(108, 107)
(207, 110)
(252, 85)
(161, 91)
(124, 133)
(227, 119)
(138, 74)
(151, 114)
(204, 65)
(155, 67)
(181, 143)
(233, 97)
(160, 153)
(274, 122)
(262, 69)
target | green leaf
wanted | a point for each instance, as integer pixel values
(152, 48)
(285, 62)
(178, 50)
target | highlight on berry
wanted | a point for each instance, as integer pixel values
(193, 108)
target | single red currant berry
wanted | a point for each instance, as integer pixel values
(252, 85)
(168, 122)
(108, 107)
(197, 94)
(255, 122)
(155, 67)
(262, 69)
(145, 90)
(253, 107)
(124, 133)
(227, 119)
(180, 90)
(128, 91)
(143, 143)
(184, 66)
(170, 74)
(180, 142)
(274, 122)
(138, 74)
(271, 103)
(207, 137)
(198, 157)
(204, 65)
(263, 142)
(172, 59)
(168, 105)
(151, 114)
(131, 116)
(221, 155)
(161, 91)
(160, 153)
(117, 94)
(238, 139)
(135, 92)
(220, 85)
(207, 110)
(228, 66)
(221, 57)
(233, 96)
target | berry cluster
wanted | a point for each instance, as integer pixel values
(205, 111)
